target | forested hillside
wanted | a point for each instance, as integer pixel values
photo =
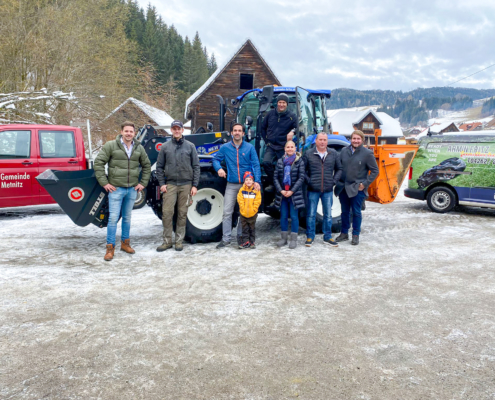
(67, 59)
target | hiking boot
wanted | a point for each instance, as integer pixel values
(293, 240)
(246, 245)
(331, 242)
(178, 246)
(252, 245)
(239, 240)
(164, 246)
(342, 237)
(309, 242)
(110, 252)
(222, 244)
(355, 239)
(126, 246)
(283, 241)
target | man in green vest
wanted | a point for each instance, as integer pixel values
(124, 156)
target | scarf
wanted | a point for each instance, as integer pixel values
(288, 161)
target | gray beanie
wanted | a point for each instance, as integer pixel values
(283, 97)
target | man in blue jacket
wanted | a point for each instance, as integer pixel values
(239, 157)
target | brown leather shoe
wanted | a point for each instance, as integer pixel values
(110, 252)
(126, 246)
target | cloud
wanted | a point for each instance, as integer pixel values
(355, 43)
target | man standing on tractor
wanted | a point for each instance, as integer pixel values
(177, 171)
(239, 157)
(323, 170)
(359, 170)
(124, 155)
(279, 126)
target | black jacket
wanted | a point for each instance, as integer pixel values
(357, 168)
(275, 127)
(178, 164)
(297, 177)
(322, 175)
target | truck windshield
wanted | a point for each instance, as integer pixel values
(250, 106)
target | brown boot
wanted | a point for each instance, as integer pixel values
(110, 252)
(126, 246)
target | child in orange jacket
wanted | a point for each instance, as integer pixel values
(249, 202)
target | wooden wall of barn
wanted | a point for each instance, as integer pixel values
(206, 107)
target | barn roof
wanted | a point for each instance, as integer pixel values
(219, 70)
(157, 115)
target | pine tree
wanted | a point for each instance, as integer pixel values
(200, 61)
(212, 64)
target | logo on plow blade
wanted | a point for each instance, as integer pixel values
(76, 194)
(158, 147)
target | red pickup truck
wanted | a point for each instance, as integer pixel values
(28, 150)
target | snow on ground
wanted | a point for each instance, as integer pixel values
(407, 314)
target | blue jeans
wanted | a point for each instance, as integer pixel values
(286, 208)
(354, 204)
(326, 202)
(121, 200)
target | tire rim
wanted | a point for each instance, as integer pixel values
(139, 197)
(336, 210)
(214, 211)
(440, 200)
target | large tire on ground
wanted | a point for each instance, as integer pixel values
(204, 216)
(140, 200)
(441, 199)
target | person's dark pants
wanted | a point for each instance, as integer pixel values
(287, 208)
(353, 203)
(269, 159)
(248, 229)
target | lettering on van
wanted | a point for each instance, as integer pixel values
(17, 178)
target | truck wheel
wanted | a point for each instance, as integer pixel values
(205, 215)
(140, 200)
(441, 199)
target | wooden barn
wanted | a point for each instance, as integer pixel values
(246, 70)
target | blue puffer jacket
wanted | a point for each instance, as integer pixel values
(238, 160)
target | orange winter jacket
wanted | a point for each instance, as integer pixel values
(249, 201)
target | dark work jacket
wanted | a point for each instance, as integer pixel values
(357, 168)
(275, 127)
(178, 164)
(322, 175)
(297, 177)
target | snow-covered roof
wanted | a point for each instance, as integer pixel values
(219, 70)
(157, 115)
(343, 120)
(437, 128)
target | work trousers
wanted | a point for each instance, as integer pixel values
(269, 159)
(179, 195)
(248, 228)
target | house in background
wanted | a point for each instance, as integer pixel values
(343, 121)
(471, 126)
(138, 112)
(246, 70)
(443, 127)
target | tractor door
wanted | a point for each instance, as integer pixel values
(305, 113)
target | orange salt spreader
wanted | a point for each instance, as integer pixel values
(393, 162)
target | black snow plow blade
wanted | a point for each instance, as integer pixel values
(79, 194)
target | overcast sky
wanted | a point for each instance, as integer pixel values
(358, 44)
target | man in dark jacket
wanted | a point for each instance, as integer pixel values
(323, 170)
(124, 155)
(359, 170)
(278, 126)
(177, 171)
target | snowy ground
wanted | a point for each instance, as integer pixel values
(408, 314)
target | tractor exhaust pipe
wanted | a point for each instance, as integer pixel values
(221, 101)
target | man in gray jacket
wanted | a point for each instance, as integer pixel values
(177, 171)
(359, 170)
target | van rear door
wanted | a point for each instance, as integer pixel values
(18, 168)
(58, 150)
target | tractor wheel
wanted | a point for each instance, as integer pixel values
(140, 200)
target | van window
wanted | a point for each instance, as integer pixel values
(57, 144)
(15, 144)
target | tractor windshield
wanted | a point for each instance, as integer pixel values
(305, 114)
(249, 106)
(320, 114)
